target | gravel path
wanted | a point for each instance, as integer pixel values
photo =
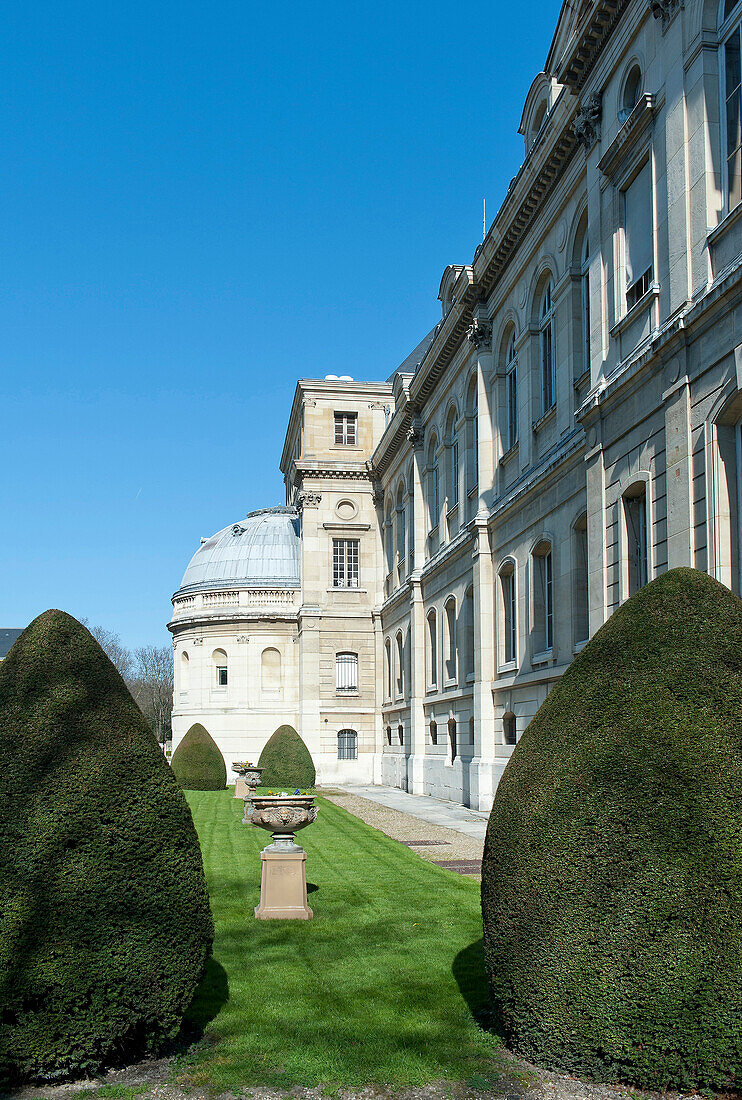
(450, 843)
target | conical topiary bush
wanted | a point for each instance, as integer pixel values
(612, 871)
(197, 762)
(286, 761)
(105, 925)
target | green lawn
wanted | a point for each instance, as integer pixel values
(378, 989)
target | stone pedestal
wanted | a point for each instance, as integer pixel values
(240, 787)
(283, 886)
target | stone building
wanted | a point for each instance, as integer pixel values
(569, 430)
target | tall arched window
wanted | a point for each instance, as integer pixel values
(637, 537)
(543, 599)
(472, 438)
(509, 734)
(546, 349)
(468, 634)
(432, 650)
(580, 619)
(732, 123)
(389, 539)
(270, 671)
(219, 661)
(388, 668)
(400, 663)
(509, 651)
(411, 521)
(184, 671)
(401, 532)
(453, 461)
(347, 745)
(452, 739)
(511, 392)
(433, 493)
(450, 621)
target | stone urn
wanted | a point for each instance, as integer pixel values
(283, 880)
(245, 778)
(283, 815)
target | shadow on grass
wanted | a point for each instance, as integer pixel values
(311, 887)
(212, 993)
(471, 977)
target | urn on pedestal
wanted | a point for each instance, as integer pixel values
(283, 884)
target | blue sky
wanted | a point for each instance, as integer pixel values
(201, 204)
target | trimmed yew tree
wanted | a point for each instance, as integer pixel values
(197, 762)
(286, 761)
(612, 870)
(105, 924)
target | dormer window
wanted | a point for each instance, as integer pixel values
(346, 433)
(538, 120)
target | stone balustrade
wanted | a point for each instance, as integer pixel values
(226, 599)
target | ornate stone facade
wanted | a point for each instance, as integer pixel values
(568, 430)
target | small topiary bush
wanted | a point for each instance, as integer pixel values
(105, 925)
(286, 761)
(612, 870)
(197, 762)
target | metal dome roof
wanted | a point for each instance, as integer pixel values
(261, 551)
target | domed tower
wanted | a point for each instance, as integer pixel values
(235, 631)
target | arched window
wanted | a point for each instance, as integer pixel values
(471, 730)
(472, 439)
(433, 732)
(347, 745)
(635, 524)
(580, 619)
(388, 668)
(732, 122)
(468, 634)
(581, 300)
(184, 671)
(432, 650)
(546, 349)
(400, 663)
(509, 651)
(511, 392)
(632, 89)
(433, 493)
(219, 661)
(539, 119)
(453, 461)
(388, 735)
(401, 533)
(270, 671)
(411, 521)
(346, 673)
(509, 734)
(543, 599)
(452, 739)
(450, 621)
(400, 733)
(389, 539)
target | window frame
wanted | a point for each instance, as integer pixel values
(511, 393)
(346, 563)
(546, 348)
(345, 421)
(346, 668)
(348, 750)
(729, 25)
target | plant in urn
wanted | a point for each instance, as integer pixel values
(283, 885)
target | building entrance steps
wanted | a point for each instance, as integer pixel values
(448, 815)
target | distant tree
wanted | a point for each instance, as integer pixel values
(151, 684)
(113, 647)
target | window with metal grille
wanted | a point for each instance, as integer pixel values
(345, 428)
(345, 563)
(346, 672)
(347, 745)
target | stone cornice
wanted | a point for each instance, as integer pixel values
(573, 69)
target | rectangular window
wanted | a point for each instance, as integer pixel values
(638, 236)
(732, 119)
(547, 367)
(346, 672)
(543, 605)
(345, 429)
(221, 676)
(347, 745)
(345, 563)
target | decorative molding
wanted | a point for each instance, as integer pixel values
(415, 435)
(638, 122)
(242, 639)
(305, 499)
(665, 10)
(378, 494)
(309, 403)
(586, 125)
(237, 529)
(376, 405)
(198, 641)
(479, 332)
(175, 643)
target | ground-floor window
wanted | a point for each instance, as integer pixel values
(347, 745)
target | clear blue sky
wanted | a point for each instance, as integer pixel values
(202, 203)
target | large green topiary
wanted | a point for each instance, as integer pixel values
(105, 925)
(286, 761)
(197, 762)
(612, 870)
